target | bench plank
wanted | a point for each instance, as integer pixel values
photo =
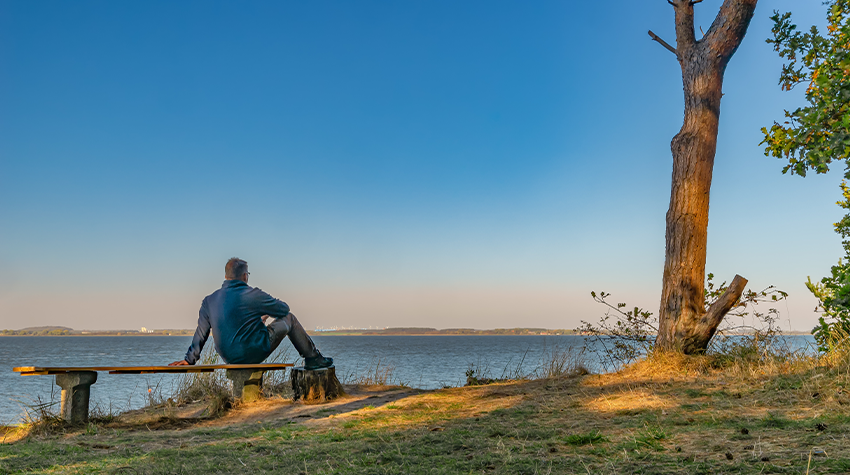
(46, 370)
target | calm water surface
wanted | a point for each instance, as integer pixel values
(419, 361)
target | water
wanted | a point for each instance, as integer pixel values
(420, 361)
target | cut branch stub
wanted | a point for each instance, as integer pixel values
(724, 304)
(691, 333)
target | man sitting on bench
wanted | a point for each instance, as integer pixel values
(248, 324)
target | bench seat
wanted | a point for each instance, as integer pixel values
(49, 370)
(76, 381)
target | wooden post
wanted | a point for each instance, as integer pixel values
(76, 390)
(315, 386)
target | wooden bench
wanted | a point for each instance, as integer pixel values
(76, 381)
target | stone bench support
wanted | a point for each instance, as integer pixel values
(247, 383)
(76, 390)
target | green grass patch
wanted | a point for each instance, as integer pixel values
(776, 421)
(586, 438)
(694, 393)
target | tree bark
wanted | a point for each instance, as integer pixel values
(684, 324)
(315, 386)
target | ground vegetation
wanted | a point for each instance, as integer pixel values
(669, 413)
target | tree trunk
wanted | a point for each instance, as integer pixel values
(684, 323)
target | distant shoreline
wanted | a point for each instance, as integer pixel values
(392, 331)
(386, 332)
(101, 334)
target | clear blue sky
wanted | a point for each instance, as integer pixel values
(442, 164)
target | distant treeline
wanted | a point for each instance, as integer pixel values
(39, 331)
(65, 331)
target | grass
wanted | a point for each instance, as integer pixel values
(586, 438)
(556, 361)
(376, 373)
(214, 388)
(665, 415)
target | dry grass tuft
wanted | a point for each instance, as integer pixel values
(376, 373)
(838, 356)
(669, 365)
(11, 434)
(41, 420)
(635, 400)
(557, 361)
(214, 388)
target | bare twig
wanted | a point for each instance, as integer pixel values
(663, 43)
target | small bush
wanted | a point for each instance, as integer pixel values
(475, 376)
(833, 291)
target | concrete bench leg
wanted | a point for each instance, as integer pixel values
(247, 383)
(76, 389)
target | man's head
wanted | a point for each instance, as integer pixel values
(236, 269)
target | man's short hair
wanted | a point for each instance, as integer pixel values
(234, 268)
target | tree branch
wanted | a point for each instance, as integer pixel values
(685, 36)
(729, 27)
(663, 43)
(726, 302)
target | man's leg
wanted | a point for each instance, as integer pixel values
(289, 325)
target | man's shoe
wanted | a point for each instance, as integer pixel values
(318, 362)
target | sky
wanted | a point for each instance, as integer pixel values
(479, 164)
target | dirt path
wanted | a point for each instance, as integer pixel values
(279, 410)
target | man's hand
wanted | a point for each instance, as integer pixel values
(179, 363)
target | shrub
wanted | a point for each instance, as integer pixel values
(833, 291)
(623, 336)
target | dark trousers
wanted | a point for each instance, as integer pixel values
(281, 327)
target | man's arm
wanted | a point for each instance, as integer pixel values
(199, 340)
(271, 306)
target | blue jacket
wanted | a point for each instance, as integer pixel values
(233, 313)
